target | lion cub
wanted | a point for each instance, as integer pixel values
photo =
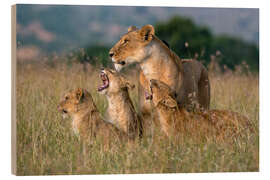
(86, 119)
(120, 111)
(174, 119)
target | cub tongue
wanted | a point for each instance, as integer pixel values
(104, 86)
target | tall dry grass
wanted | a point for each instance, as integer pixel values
(47, 145)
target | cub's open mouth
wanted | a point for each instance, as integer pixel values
(148, 96)
(105, 81)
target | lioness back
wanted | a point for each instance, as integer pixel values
(199, 93)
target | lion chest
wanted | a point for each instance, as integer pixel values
(162, 70)
(75, 125)
(118, 114)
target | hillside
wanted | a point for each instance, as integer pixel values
(60, 28)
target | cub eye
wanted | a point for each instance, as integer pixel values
(112, 72)
(125, 41)
(66, 98)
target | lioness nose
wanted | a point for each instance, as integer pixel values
(111, 54)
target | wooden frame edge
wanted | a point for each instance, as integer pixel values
(13, 91)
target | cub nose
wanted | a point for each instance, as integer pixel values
(111, 54)
(102, 68)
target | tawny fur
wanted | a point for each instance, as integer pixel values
(188, 78)
(175, 119)
(86, 119)
(121, 111)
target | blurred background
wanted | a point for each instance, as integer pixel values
(84, 34)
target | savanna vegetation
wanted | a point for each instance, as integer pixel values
(46, 143)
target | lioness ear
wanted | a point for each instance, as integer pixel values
(132, 28)
(147, 32)
(79, 94)
(169, 102)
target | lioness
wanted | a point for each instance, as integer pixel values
(86, 119)
(174, 118)
(157, 61)
(120, 111)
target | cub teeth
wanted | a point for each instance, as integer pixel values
(105, 81)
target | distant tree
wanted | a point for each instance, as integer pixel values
(184, 37)
(95, 55)
(235, 51)
(189, 40)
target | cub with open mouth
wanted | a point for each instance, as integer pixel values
(120, 111)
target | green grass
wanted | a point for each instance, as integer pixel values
(47, 145)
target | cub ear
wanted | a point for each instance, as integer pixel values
(130, 85)
(79, 94)
(132, 28)
(169, 102)
(127, 83)
(173, 94)
(147, 32)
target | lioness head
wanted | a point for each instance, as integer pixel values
(132, 47)
(162, 94)
(113, 82)
(73, 101)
